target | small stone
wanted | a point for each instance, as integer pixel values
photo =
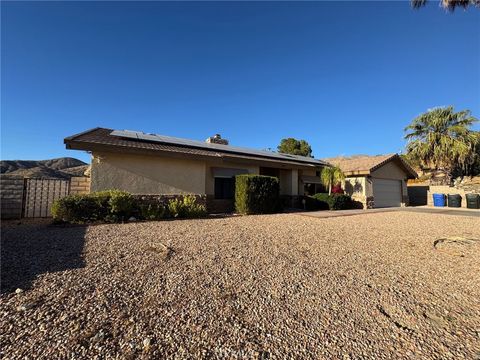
(147, 342)
(100, 336)
(18, 291)
(131, 218)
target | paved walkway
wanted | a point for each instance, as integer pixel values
(419, 209)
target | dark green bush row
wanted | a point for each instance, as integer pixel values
(322, 201)
(313, 204)
(116, 206)
(257, 194)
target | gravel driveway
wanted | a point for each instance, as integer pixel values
(384, 285)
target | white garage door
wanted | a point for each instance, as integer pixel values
(387, 193)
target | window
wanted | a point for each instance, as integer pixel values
(224, 188)
(312, 189)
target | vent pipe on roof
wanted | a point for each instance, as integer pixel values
(216, 139)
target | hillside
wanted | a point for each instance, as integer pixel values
(60, 168)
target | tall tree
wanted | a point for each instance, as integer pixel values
(295, 147)
(330, 176)
(447, 4)
(441, 139)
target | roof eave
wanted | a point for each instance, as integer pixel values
(72, 137)
(357, 173)
(72, 144)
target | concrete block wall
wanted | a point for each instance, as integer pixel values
(438, 189)
(11, 197)
(79, 185)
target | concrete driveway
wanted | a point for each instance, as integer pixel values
(419, 209)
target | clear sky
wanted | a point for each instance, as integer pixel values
(345, 76)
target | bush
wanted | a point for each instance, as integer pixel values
(186, 207)
(341, 202)
(257, 194)
(82, 208)
(153, 211)
(336, 201)
(325, 199)
(122, 204)
(108, 205)
(313, 204)
(116, 205)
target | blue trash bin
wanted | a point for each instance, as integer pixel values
(438, 199)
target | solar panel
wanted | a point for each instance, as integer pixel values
(137, 135)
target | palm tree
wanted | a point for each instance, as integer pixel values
(331, 175)
(447, 4)
(441, 138)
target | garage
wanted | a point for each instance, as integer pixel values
(376, 181)
(387, 193)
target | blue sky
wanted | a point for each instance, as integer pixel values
(345, 76)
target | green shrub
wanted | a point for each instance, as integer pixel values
(341, 202)
(324, 198)
(79, 208)
(121, 204)
(336, 201)
(153, 212)
(257, 194)
(108, 205)
(116, 205)
(186, 207)
(313, 204)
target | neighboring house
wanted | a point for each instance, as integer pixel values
(154, 164)
(376, 181)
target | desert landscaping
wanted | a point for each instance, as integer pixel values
(383, 285)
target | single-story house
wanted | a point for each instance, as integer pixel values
(161, 165)
(376, 181)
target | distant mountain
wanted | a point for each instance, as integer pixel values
(61, 168)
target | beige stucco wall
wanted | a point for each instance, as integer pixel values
(390, 171)
(209, 179)
(355, 187)
(309, 172)
(289, 183)
(151, 174)
(147, 174)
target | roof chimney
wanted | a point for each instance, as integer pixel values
(216, 139)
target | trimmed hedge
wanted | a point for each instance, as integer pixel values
(119, 206)
(336, 201)
(257, 194)
(313, 204)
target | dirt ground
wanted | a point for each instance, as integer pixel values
(383, 285)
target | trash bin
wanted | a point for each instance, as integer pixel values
(473, 201)
(438, 200)
(454, 200)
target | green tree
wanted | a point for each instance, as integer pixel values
(441, 139)
(330, 176)
(447, 4)
(295, 147)
(473, 167)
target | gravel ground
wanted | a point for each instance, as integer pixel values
(384, 285)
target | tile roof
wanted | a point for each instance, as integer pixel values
(93, 138)
(364, 164)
